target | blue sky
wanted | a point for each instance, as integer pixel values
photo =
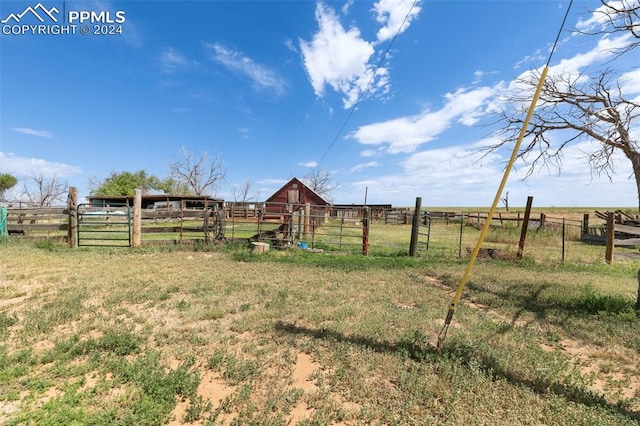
(276, 88)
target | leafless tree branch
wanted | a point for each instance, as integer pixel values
(199, 174)
(616, 17)
(321, 182)
(42, 191)
(571, 109)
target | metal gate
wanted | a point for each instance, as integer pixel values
(424, 232)
(104, 226)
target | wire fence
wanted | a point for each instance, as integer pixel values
(355, 229)
(546, 238)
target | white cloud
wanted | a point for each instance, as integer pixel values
(458, 176)
(309, 164)
(371, 152)
(244, 132)
(341, 59)
(32, 132)
(362, 166)
(602, 16)
(605, 50)
(468, 106)
(406, 134)
(262, 76)
(290, 45)
(395, 16)
(25, 166)
(171, 60)
(630, 82)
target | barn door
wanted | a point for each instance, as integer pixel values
(293, 196)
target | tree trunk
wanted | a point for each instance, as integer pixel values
(635, 163)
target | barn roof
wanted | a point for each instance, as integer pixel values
(152, 198)
(306, 192)
(156, 197)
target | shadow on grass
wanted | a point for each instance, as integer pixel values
(415, 347)
(586, 304)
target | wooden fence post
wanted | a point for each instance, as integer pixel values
(585, 225)
(72, 224)
(307, 218)
(608, 255)
(415, 226)
(137, 218)
(525, 226)
(365, 231)
(638, 298)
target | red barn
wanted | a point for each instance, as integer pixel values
(295, 192)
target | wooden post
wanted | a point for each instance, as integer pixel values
(638, 298)
(300, 214)
(72, 224)
(415, 227)
(585, 225)
(137, 219)
(608, 256)
(365, 231)
(307, 218)
(525, 226)
(564, 237)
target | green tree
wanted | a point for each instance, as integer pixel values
(125, 182)
(7, 182)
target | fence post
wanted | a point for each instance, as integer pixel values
(72, 224)
(137, 218)
(307, 218)
(415, 227)
(525, 226)
(365, 232)
(563, 239)
(542, 221)
(461, 231)
(638, 298)
(608, 256)
(585, 225)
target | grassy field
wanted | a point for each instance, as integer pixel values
(218, 335)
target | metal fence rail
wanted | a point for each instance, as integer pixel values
(104, 226)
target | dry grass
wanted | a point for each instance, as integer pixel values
(118, 336)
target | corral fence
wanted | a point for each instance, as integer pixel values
(349, 229)
(456, 233)
(317, 228)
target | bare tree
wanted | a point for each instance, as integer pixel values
(571, 109)
(43, 191)
(505, 200)
(621, 16)
(321, 182)
(244, 192)
(198, 174)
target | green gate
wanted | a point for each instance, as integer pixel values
(104, 226)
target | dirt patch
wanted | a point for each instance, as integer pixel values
(212, 388)
(302, 379)
(302, 371)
